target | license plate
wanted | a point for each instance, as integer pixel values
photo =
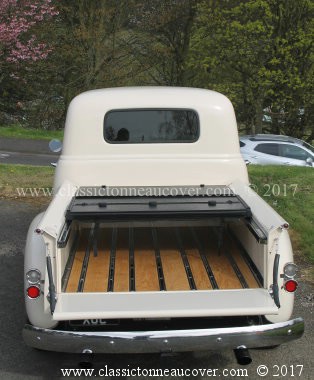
(94, 322)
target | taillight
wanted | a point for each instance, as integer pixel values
(290, 270)
(33, 292)
(290, 286)
(33, 276)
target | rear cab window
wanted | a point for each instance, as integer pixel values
(145, 126)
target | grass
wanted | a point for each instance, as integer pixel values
(29, 133)
(289, 190)
(13, 178)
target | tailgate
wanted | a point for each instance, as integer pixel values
(71, 306)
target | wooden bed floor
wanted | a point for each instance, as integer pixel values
(157, 259)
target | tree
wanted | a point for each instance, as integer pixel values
(20, 46)
(159, 39)
(17, 19)
(87, 44)
(259, 53)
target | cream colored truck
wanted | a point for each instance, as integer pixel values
(154, 240)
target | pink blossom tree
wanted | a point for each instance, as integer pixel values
(17, 20)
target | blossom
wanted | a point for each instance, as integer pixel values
(17, 18)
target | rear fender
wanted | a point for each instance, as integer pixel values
(280, 245)
(35, 258)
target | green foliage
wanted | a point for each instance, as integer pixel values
(259, 53)
(289, 190)
(88, 53)
(159, 39)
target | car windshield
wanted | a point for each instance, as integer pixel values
(308, 146)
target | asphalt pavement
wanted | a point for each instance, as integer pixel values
(17, 361)
(26, 152)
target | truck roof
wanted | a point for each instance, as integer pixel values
(84, 138)
(135, 96)
(85, 118)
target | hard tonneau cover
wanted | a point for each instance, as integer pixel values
(133, 203)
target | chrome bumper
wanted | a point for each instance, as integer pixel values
(163, 341)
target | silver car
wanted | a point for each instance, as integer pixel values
(276, 150)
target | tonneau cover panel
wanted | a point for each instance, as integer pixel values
(180, 202)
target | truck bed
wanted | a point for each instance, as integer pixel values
(157, 259)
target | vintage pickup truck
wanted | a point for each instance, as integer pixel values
(154, 240)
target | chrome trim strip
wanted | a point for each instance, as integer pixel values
(163, 341)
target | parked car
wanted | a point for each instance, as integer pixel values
(276, 150)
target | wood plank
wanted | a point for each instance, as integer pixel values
(77, 263)
(246, 271)
(121, 274)
(98, 266)
(146, 276)
(174, 271)
(198, 270)
(221, 267)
